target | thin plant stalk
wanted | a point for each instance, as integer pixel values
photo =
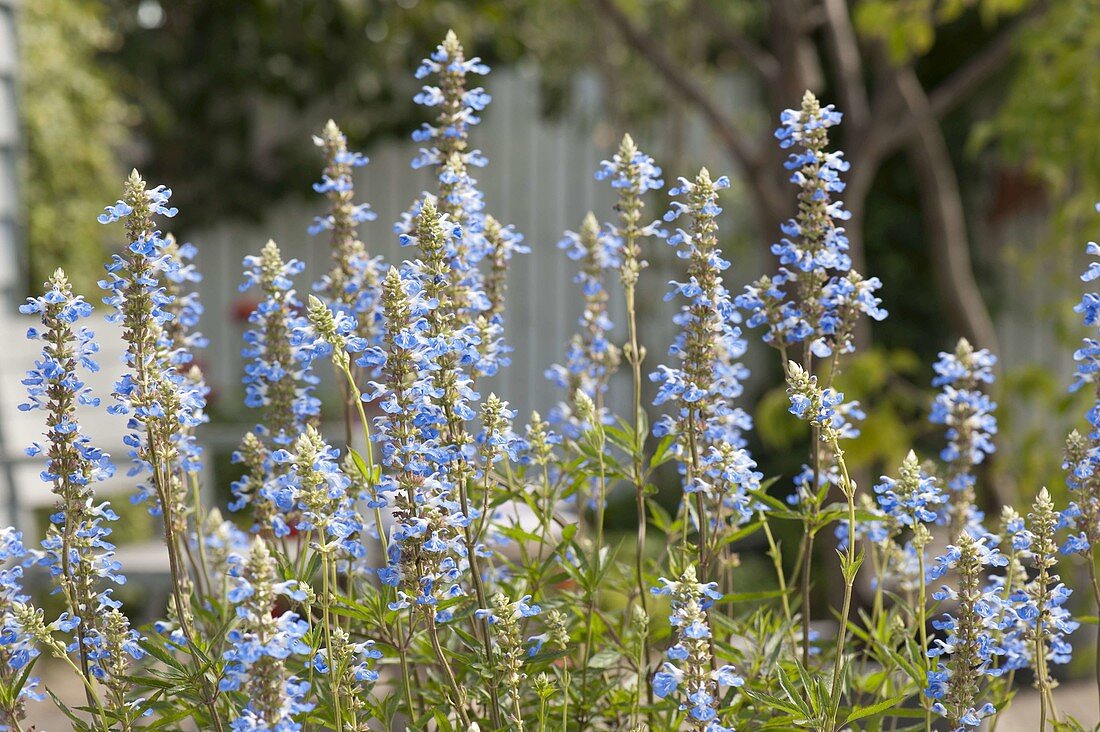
(457, 697)
(849, 581)
(326, 621)
(639, 442)
(1091, 559)
(594, 565)
(922, 623)
(777, 561)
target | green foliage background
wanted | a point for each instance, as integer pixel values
(74, 121)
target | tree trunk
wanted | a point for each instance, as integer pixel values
(944, 220)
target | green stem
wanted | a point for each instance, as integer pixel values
(458, 699)
(639, 442)
(326, 621)
(196, 499)
(1090, 556)
(358, 397)
(88, 687)
(403, 656)
(922, 622)
(808, 536)
(1040, 671)
(162, 483)
(594, 565)
(849, 581)
(815, 459)
(777, 561)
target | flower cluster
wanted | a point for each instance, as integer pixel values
(17, 647)
(504, 617)
(277, 378)
(591, 358)
(913, 498)
(502, 242)
(469, 293)
(815, 298)
(352, 283)
(967, 413)
(163, 404)
(261, 644)
(1082, 455)
(282, 624)
(427, 552)
(967, 653)
(811, 403)
(313, 485)
(184, 305)
(705, 424)
(1042, 620)
(352, 665)
(77, 551)
(632, 174)
(690, 668)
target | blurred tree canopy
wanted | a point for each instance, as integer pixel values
(219, 90)
(228, 91)
(73, 122)
(231, 91)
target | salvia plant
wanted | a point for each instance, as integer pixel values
(442, 563)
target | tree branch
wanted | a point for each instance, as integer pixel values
(791, 41)
(844, 51)
(765, 63)
(892, 127)
(945, 221)
(769, 199)
(679, 81)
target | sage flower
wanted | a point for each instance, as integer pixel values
(77, 550)
(260, 644)
(632, 174)
(815, 296)
(17, 646)
(352, 282)
(591, 358)
(688, 672)
(967, 413)
(967, 650)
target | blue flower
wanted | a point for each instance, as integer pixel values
(158, 397)
(967, 413)
(427, 551)
(690, 669)
(352, 283)
(913, 498)
(815, 295)
(1036, 608)
(706, 427)
(76, 551)
(260, 645)
(592, 358)
(632, 170)
(469, 295)
(632, 174)
(1082, 455)
(277, 375)
(968, 651)
(17, 646)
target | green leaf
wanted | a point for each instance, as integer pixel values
(607, 658)
(882, 706)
